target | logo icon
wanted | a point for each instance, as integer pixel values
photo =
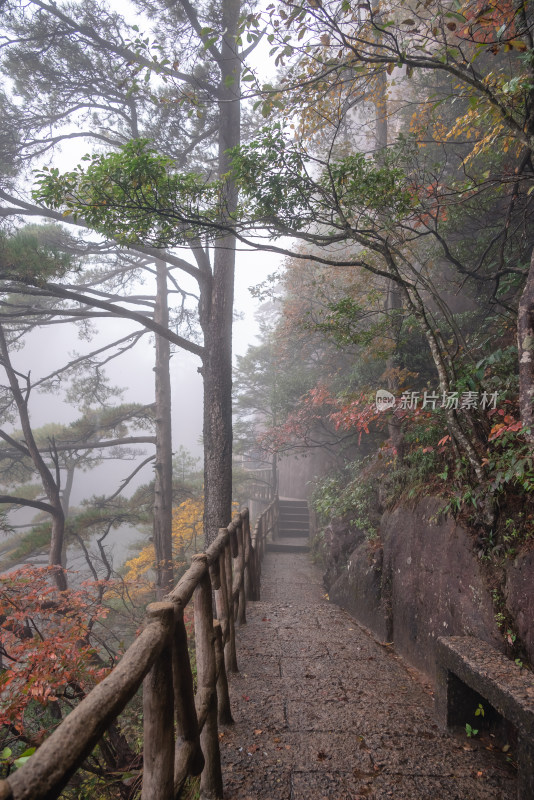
(384, 400)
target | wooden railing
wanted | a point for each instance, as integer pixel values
(260, 484)
(180, 727)
(266, 524)
(261, 492)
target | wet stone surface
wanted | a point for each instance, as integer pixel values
(324, 712)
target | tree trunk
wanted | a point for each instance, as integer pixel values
(393, 303)
(162, 530)
(50, 484)
(217, 327)
(393, 307)
(65, 504)
(274, 476)
(415, 304)
(381, 111)
(525, 346)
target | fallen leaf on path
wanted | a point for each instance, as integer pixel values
(245, 697)
(257, 731)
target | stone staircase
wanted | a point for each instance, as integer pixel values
(293, 527)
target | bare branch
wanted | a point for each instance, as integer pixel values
(23, 501)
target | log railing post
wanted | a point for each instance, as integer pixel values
(224, 609)
(158, 714)
(211, 785)
(188, 759)
(230, 653)
(223, 697)
(242, 600)
(263, 534)
(215, 573)
(261, 537)
(234, 543)
(258, 546)
(249, 565)
(257, 570)
(221, 589)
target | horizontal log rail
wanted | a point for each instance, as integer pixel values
(180, 726)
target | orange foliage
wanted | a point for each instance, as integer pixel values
(187, 520)
(489, 23)
(46, 642)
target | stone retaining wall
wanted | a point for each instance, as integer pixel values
(426, 580)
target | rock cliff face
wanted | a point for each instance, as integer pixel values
(519, 595)
(425, 580)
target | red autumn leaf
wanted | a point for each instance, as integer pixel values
(47, 635)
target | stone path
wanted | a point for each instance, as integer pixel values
(324, 712)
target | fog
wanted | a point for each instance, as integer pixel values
(48, 349)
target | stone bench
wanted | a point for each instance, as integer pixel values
(470, 671)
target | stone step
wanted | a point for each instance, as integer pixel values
(294, 514)
(298, 517)
(292, 523)
(293, 527)
(293, 505)
(286, 547)
(293, 533)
